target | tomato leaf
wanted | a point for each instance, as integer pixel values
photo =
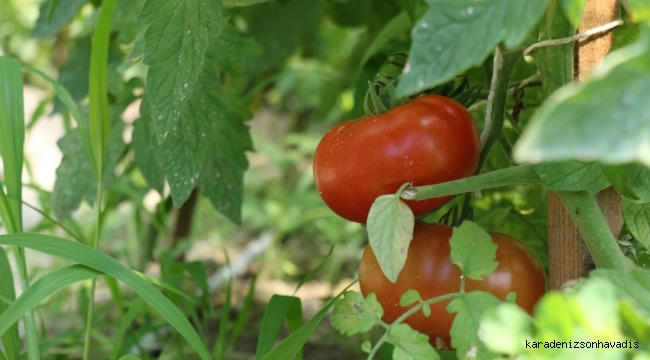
(410, 297)
(200, 133)
(633, 285)
(390, 231)
(146, 158)
(573, 9)
(353, 314)
(618, 176)
(577, 121)
(469, 309)
(505, 329)
(74, 176)
(458, 34)
(410, 344)
(572, 176)
(51, 21)
(473, 251)
(638, 9)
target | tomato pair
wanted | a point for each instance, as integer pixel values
(430, 140)
(429, 270)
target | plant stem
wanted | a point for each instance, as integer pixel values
(504, 65)
(592, 224)
(516, 175)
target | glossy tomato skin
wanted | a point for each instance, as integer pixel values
(429, 270)
(429, 140)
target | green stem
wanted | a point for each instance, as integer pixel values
(592, 224)
(504, 65)
(33, 352)
(516, 175)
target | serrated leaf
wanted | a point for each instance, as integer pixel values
(74, 176)
(469, 310)
(576, 122)
(354, 315)
(146, 158)
(410, 344)
(619, 177)
(390, 231)
(49, 24)
(573, 9)
(410, 297)
(572, 176)
(505, 329)
(473, 251)
(637, 219)
(639, 10)
(454, 35)
(176, 42)
(639, 178)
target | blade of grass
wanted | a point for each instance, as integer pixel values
(310, 275)
(242, 317)
(12, 139)
(10, 339)
(127, 320)
(279, 308)
(98, 260)
(220, 346)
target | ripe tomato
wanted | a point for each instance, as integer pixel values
(429, 270)
(430, 140)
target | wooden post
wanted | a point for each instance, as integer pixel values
(569, 258)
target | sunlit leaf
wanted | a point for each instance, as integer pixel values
(473, 251)
(572, 176)
(469, 310)
(410, 344)
(355, 315)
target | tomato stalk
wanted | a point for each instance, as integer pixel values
(516, 175)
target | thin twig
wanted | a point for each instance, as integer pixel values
(588, 33)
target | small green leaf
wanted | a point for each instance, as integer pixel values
(637, 219)
(573, 9)
(505, 329)
(277, 310)
(54, 17)
(619, 177)
(576, 121)
(390, 231)
(511, 297)
(572, 176)
(458, 34)
(469, 309)
(410, 344)
(473, 251)
(366, 347)
(410, 296)
(355, 315)
(426, 310)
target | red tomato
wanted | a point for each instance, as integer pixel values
(429, 270)
(430, 140)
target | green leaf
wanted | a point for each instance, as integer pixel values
(50, 23)
(454, 35)
(639, 10)
(312, 273)
(505, 329)
(397, 26)
(278, 308)
(74, 176)
(235, 3)
(125, 324)
(633, 285)
(390, 231)
(45, 286)
(11, 338)
(129, 357)
(572, 176)
(146, 158)
(410, 297)
(577, 122)
(473, 251)
(637, 219)
(410, 344)
(355, 315)
(366, 347)
(573, 9)
(97, 260)
(12, 138)
(73, 74)
(177, 38)
(469, 309)
(619, 177)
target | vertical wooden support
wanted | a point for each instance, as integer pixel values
(569, 258)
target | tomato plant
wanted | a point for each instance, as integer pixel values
(430, 271)
(429, 140)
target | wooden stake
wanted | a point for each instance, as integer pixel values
(569, 258)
